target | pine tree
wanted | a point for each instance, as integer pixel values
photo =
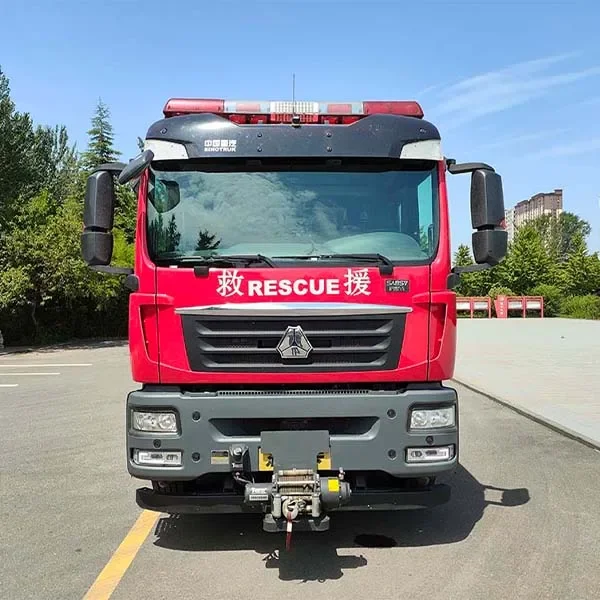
(172, 236)
(163, 239)
(462, 257)
(207, 241)
(100, 148)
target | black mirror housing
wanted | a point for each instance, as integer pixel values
(97, 247)
(489, 246)
(98, 218)
(99, 206)
(487, 199)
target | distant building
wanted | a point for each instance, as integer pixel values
(544, 203)
(509, 218)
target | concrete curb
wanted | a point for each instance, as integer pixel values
(7, 351)
(549, 423)
(73, 345)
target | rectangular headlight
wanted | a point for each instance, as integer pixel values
(429, 454)
(156, 458)
(158, 422)
(432, 418)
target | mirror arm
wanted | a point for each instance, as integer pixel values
(459, 169)
(471, 268)
(112, 270)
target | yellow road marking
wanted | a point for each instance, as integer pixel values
(119, 562)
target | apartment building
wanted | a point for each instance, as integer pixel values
(544, 203)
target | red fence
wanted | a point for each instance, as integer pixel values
(504, 305)
(474, 303)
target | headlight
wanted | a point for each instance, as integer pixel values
(424, 455)
(156, 458)
(161, 422)
(432, 418)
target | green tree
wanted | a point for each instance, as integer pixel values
(579, 275)
(172, 236)
(163, 239)
(527, 263)
(101, 143)
(17, 176)
(55, 161)
(471, 284)
(207, 241)
(40, 262)
(558, 233)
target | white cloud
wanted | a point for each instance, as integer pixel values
(526, 137)
(580, 147)
(499, 90)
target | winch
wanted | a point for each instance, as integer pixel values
(297, 493)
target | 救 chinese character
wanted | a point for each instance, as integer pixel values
(230, 284)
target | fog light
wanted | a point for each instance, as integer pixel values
(434, 418)
(152, 458)
(160, 422)
(423, 455)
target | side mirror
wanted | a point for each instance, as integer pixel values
(136, 166)
(490, 240)
(165, 196)
(98, 219)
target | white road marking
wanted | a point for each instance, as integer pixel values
(9, 385)
(27, 374)
(43, 366)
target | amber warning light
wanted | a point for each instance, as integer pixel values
(247, 112)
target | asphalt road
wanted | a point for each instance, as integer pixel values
(524, 520)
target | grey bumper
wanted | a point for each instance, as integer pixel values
(368, 431)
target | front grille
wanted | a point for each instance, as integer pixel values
(226, 343)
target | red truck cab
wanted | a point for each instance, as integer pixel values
(292, 320)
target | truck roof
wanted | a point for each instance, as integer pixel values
(201, 128)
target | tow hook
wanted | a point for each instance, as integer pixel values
(291, 512)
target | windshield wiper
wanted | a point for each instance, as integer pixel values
(202, 264)
(386, 266)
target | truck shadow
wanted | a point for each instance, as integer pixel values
(315, 556)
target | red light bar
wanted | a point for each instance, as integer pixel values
(408, 108)
(186, 106)
(253, 112)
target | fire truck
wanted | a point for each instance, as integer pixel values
(292, 319)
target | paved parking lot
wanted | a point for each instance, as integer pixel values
(523, 522)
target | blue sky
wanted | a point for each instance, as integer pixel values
(514, 84)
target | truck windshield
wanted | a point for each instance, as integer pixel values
(294, 210)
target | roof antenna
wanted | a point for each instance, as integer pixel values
(295, 117)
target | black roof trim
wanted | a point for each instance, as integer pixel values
(379, 135)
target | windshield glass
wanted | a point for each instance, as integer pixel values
(293, 210)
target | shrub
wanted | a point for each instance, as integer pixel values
(581, 307)
(552, 298)
(500, 290)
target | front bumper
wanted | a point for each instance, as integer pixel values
(385, 500)
(368, 430)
